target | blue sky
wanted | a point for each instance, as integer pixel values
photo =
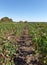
(31, 10)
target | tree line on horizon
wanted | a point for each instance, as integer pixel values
(7, 19)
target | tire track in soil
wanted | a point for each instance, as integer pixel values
(25, 54)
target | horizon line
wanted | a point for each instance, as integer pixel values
(24, 20)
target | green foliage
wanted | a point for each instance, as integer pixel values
(39, 37)
(38, 32)
(8, 48)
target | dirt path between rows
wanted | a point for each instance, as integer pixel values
(25, 54)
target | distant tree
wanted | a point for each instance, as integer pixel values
(25, 21)
(20, 21)
(6, 19)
